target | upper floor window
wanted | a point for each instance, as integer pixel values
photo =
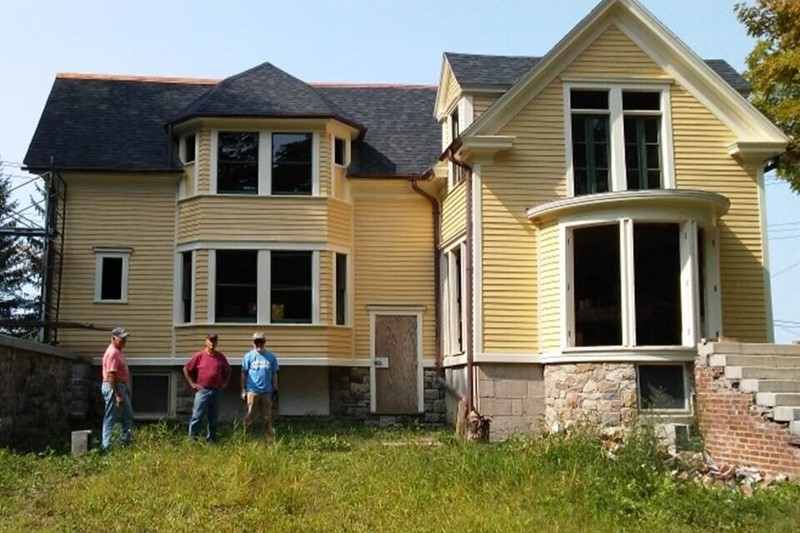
(617, 139)
(111, 275)
(291, 163)
(237, 162)
(188, 149)
(339, 152)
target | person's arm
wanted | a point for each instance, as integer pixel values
(187, 374)
(113, 381)
(226, 374)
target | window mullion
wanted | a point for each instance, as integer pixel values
(591, 167)
(627, 283)
(641, 149)
(616, 141)
(264, 287)
(689, 284)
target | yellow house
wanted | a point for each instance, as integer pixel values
(550, 236)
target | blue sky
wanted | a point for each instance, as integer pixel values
(341, 41)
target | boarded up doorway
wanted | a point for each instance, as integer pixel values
(396, 348)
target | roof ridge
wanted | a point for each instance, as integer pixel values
(343, 85)
(131, 77)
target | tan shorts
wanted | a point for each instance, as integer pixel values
(259, 402)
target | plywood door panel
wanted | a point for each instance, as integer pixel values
(396, 385)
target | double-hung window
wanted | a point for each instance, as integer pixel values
(454, 289)
(292, 163)
(111, 274)
(617, 139)
(291, 287)
(237, 162)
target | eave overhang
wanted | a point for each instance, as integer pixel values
(707, 202)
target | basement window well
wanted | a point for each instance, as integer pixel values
(662, 387)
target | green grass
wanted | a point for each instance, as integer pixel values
(333, 477)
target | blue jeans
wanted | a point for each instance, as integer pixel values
(206, 402)
(124, 413)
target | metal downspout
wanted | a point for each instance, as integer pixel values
(470, 304)
(437, 275)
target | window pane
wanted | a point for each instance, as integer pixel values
(150, 393)
(590, 158)
(291, 163)
(186, 286)
(662, 387)
(601, 183)
(599, 128)
(111, 284)
(653, 156)
(339, 151)
(601, 156)
(341, 289)
(236, 286)
(237, 162)
(189, 148)
(598, 314)
(580, 99)
(578, 128)
(652, 127)
(291, 286)
(581, 183)
(701, 277)
(641, 101)
(657, 270)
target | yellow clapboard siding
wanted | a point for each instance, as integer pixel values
(325, 165)
(201, 286)
(549, 288)
(326, 287)
(613, 54)
(702, 162)
(203, 162)
(480, 103)
(393, 258)
(453, 88)
(140, 216)
(340, 217)
(454, 210)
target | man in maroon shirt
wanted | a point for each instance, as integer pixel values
(208, 373)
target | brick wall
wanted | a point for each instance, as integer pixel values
(44, 394)
(735, 430)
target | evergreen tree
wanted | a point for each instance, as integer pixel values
(14, 263)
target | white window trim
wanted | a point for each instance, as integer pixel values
(101, 253)
(346, 162)
(687, 406)
(689, 277)
(265, 155)
(177, 315)
(450, 326)
(617, 179)
(264, 285)
(347, 290)
(464, 107)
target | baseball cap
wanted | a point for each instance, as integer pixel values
(211, 336)
(259, 336)
(120, 332)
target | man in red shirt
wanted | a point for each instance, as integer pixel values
(116, 394)
(208, 373)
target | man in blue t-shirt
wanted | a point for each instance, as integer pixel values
(260, 383)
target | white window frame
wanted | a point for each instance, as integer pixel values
(264, 281)
(686, 390)
(449, 303)
(464, 108)
(183, 144)
(690, 290)
(102, 253)
(178, 289)
(347, 289)
(616, 122)
(265, 155)
(141, 415)
(346, 151)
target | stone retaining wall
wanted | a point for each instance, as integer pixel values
(44, 393)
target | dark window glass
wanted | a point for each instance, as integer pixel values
(186, 286)
(642, 152)
(598, 313)
(111, 283)
(150, 393)
(291, 163)
(641, 101)
(236, 286)
(459, 298)
(590, 153)
(657, 272)
(291, 287)
(341, 289)
(701, 277)
(237, 163)
(662, 387)
(580, 99)
(339, 151)
(188, 149)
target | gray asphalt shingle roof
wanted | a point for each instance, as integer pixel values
(474, 69)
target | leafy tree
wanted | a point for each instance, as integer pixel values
(773, 70)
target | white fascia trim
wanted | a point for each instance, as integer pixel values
(507, 358)
(441, 90)
(758, 151)
(620, 355)
(404, 310)
(477, 260)
(762, 209)
(465, 111)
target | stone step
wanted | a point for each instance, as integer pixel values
(783, 361)
(794, 428)
(761, 372)
(769, 385)
(786, 413)
(777, 399)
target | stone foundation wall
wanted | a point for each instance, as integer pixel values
(512, 396)
(44, 393)
(591, 393)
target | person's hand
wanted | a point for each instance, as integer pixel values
(244, 394)
(120, 400)
(196, 386)
(275, 396)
